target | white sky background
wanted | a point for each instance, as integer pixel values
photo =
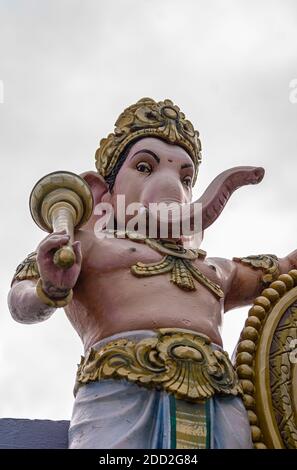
(69, 68)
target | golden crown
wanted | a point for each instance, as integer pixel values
(147, 118)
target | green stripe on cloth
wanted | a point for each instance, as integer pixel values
(190, 424)
(172, 422)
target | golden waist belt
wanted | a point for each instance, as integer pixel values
(178, 361)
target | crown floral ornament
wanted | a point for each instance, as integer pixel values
(147, 118)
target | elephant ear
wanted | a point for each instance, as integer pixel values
(99, 188)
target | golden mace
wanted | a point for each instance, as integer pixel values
(61, 201)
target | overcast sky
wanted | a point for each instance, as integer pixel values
(69, 68)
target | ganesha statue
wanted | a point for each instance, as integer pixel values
(149, 307)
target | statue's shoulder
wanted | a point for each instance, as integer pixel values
(27, 269)
(223, 267)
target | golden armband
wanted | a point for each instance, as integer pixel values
(27, 270)
(54, 303)
(268, 263)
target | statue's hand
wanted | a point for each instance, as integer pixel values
(56, 281)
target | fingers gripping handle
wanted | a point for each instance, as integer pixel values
(63, 217)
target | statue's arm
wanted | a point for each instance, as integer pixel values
(289, 262)
(39, 286)
(24, 304)
(243, 279)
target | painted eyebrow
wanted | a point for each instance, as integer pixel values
(149, 152)
(186, 165)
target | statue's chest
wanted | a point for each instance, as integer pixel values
(109, 254)
(183, 270)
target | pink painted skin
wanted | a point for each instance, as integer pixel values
(107, 298)
(56, 281)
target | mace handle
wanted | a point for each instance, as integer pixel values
(63, 216)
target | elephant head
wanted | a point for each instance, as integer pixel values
(154, 171)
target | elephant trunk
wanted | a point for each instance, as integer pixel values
(222, 187)
(211, 203)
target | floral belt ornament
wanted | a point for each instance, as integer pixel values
(178, 361)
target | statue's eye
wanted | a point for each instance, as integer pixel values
(144, 167)
(187, 181)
